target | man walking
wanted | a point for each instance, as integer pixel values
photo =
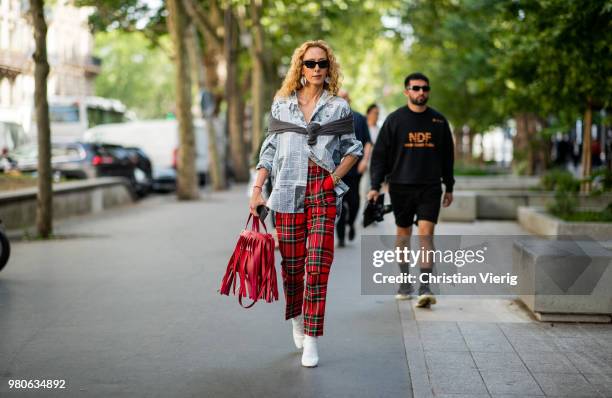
(350, 201)
(414, 152)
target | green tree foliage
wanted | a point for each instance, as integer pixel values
(354, 30)
(489, 60)
(556, 54)
(128, 16)
(452, 44)
(137, 73)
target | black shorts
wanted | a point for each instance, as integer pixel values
(409, 200)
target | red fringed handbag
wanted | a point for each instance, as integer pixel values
(252, 262)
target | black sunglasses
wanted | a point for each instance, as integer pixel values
(323, 64)
(419, 88)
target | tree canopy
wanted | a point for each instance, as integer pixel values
(488, 60)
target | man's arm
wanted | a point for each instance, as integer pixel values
(448, 159)
(378, 167)
(367, 145)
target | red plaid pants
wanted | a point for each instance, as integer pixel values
(306, 243)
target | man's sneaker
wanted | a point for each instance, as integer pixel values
(404, 292)
(426, 297)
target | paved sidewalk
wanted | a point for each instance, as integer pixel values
(491, 347)
(504, 359)
(127, 306)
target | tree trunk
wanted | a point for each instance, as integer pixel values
(587, 124)
(459, 150)
(198, 73)
(232, 96)
(187, 179)
(44, 213)
(470, 149)
(257, 77)
(520, 143)
(523, 159)
(210, 25)
(481, 159)
(531, 146)
(195, 69)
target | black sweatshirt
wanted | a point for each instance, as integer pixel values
(413, 148)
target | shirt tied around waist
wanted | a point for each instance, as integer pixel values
(313, 130)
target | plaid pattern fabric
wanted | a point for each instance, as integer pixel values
(306, 243)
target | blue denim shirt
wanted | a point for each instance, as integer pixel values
(286, 155)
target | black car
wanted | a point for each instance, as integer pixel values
(143, 171)
(80, 160)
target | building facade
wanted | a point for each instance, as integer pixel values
(70, 47)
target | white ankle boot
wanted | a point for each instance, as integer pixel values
(310, 356)
(298, 331)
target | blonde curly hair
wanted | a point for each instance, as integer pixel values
(292, 80)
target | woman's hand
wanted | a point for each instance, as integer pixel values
(256, 200)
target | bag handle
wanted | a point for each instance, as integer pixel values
(255, 224)
(245, 288)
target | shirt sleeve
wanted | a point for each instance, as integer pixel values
(267, 152)
(349, 144)
(380, 154)
(448, 159)
(366, 130)
(268, 147)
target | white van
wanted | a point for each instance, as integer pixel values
(11, 136)
(159, 141)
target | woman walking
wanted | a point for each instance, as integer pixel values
(310, 146)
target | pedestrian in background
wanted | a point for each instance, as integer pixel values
(309, 148)
(372, 114)
(350, 202)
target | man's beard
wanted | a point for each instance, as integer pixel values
(419, 101)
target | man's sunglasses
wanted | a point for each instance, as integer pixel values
(323, 64)
(419, 88)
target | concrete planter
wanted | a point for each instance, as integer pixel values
(537, 221)
(564, 280)
(503, 205)
(506, 182)
(462, 209)
(18, 208)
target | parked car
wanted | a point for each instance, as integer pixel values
(81, 160)
(159, 140)
(5, 247)
(143, 171)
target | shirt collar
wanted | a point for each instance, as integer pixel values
(293, 101)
